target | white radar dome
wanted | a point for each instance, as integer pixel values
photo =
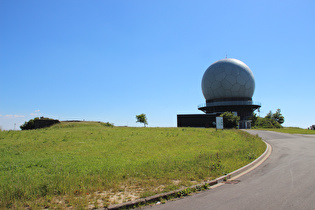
(228, 79)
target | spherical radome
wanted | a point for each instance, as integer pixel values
(228, 78)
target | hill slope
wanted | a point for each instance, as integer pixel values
(74, 164)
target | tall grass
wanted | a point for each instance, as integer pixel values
(64, 165)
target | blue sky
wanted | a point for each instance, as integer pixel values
(111, 60)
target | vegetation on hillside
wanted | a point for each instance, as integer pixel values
(90, 163)
(271, 120)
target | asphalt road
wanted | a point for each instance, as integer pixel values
(286, 180)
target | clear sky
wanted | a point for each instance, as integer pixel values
(106, 60)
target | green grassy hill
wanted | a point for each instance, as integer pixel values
(88, 163)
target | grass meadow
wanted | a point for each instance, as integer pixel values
(90, 165)
(291, 130)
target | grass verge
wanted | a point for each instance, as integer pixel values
(291, 130)
(90, 165)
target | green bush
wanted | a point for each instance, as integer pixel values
(230, 120)
(271, 120)
(28, 125)
(31, 124)
(266, 123)
(107, 124)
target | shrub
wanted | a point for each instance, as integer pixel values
(38, 123)
(230, 120)
(271, 120)
(107, 124)
(266, 123)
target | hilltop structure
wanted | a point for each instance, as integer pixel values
(227, 85)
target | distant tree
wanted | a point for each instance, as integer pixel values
(271, 120)
(266, 123)
(230, 120)
(269, 115)
(142, 118)
(278, 116)
(275, 116)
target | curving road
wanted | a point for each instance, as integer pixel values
(286, 180)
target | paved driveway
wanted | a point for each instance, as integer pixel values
(286, 180)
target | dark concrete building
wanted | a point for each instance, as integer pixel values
(227, 85)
